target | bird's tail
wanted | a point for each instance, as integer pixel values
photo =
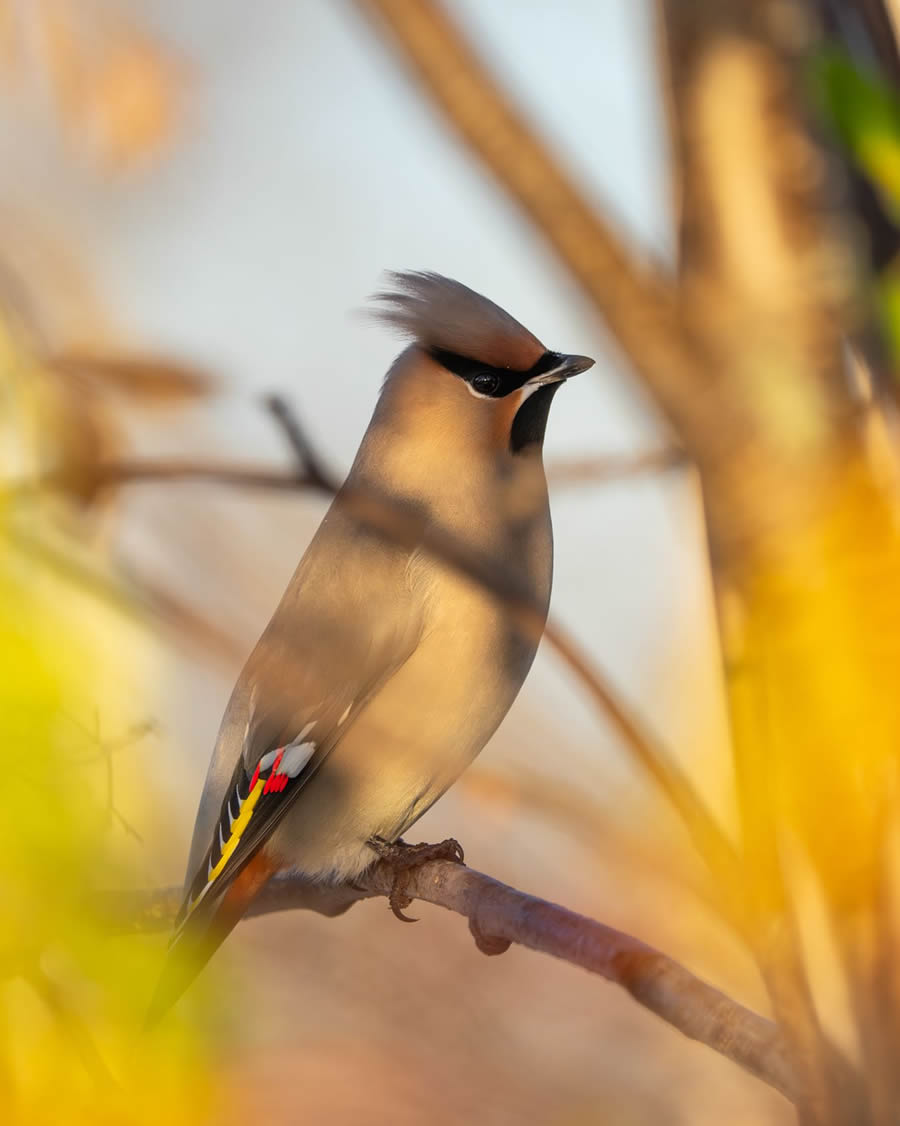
(203, 931)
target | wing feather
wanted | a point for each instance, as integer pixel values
(253, 806)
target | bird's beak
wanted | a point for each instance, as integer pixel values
(564, 368)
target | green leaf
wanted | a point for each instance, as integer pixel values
(864, 112)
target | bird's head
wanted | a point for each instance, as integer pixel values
(474, 378)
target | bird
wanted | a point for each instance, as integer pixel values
(384, 670)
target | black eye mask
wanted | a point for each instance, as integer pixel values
(495, 383)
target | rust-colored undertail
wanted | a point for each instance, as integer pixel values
(204, 932)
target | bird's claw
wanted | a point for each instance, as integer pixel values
(402, 858)
(398, 899)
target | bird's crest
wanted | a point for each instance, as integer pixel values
(445, 315)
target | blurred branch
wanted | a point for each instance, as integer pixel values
(126, 472)
(759, 298)
(123, 471)
(499, 915)
(72, 1025)
(710, 839)
(135, 597)
(637, 301)
(765, 285)
(571, 809)
(147, 380)
(308, 461)
(614, 467)
(867, 28)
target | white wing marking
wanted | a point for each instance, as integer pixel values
(295, 757)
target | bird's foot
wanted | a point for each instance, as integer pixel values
(402, 858)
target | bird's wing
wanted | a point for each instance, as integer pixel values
(254, 804)
(235, 866)
(270, 773)
(335, 639)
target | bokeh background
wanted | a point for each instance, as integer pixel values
(213, 192)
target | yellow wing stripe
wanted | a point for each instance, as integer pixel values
(240, 824)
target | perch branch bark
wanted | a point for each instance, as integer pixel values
(499, 915)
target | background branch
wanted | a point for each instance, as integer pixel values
(598, 469)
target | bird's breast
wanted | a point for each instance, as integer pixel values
(434, 714)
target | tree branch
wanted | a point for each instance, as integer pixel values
(499, 915)
(605, 468)
(563, 473)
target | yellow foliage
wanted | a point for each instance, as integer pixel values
(72, 996)
(818, 710)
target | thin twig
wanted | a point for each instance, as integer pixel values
(71, 1023)
(504, 915)
(308, 461)
(597, 469)
(135, 599)
(614, 467)
(709, 838)
(133, 472)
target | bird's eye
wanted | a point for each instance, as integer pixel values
(486, 383)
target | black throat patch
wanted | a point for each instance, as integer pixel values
(530, 422)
